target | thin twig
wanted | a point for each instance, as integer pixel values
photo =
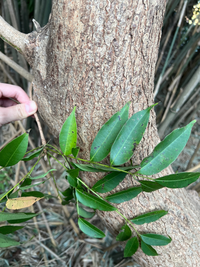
(7, 74)
(24, 73)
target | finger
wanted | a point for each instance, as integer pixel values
(16, 92)
(17, 112)
(6, 102)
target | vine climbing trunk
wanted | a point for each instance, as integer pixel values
(98, 55)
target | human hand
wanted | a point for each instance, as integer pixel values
(11, 111)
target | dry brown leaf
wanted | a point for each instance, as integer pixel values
(21, 202)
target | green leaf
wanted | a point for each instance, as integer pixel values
(124, 234)
(124, 195)
(8, 229)
(129, 136)
(93, 202)
(75, 151)
(42, 175)
(68, 134)
(109, 182)
(178, 180)
(98, 168)
(156, 240)
(131, 247)
(148, 250)
(33, 194)
(26, 182)
(68, 193)
(149, 217)
(7, 242)
(149, 186)
(106, 136)
(33, 155)
(73, 172)
(72, 181)
(87, 168)
(84, 213)
(166, 151)
(4, 216)
(30, 186)
(13, 152)
(90, 229)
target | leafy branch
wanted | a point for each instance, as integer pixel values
(118, 137)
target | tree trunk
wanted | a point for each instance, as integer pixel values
(98, 55)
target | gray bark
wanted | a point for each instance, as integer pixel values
(98, 55)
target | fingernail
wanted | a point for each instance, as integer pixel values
(30, 107)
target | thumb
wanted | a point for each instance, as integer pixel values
(17, 112)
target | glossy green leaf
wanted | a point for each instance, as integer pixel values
(93, 202)
(106, 136)
(178, 180)
(129, 136)
(150, 186)
(131, 247)
(89, 229)
(7, 241)
(13, 152)
(109, 182)
(124, 195)
(87, 168)
(149, 217)
(5, 216)
(33, 194)
(42, 175)
(124, 234)
(156, 240)
(8, 229)
(148, 250)
(84, 213)
(33, 155)
(68, 134)
(166, 151)
(75, 151)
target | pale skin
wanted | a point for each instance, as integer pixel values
(11, 111)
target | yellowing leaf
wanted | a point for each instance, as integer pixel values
(21, 202)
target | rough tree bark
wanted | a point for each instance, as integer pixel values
(98, 55)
